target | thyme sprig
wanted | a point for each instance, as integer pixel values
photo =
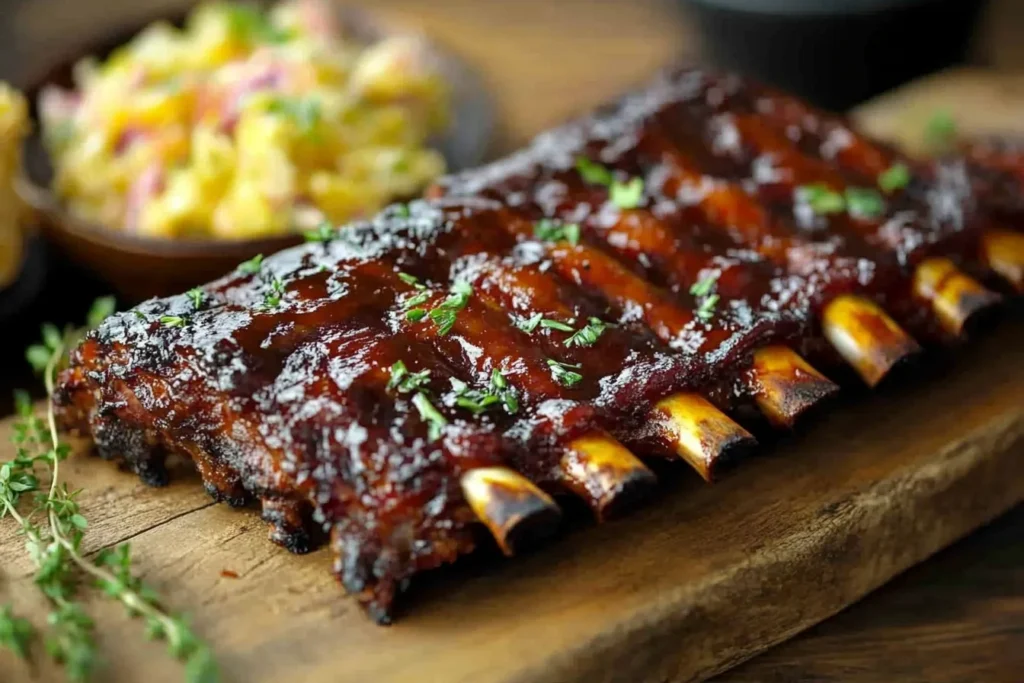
(54, 527)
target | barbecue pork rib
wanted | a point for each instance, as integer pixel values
(632, 282)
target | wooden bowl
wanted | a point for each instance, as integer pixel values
(139, 267)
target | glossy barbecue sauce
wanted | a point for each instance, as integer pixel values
(646, 250)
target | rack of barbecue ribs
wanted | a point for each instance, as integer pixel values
(632, 285)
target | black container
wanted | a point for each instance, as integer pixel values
(835, 53)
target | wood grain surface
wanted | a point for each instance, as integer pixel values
(957, 617)
(687, 587)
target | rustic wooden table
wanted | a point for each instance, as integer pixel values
(958, 617)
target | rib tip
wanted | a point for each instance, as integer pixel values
(1004, 253)
(785, 386)
(606, 474)
(701, 433)
(958, 301)
(515, 510)
(867, 338)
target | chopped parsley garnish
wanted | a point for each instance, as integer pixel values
(703, 287)
(896, 177)
(555, 325)
(172, 321)
(706, 299)
(474, 400)
(864, 202)
(252, 266)
(324, 232)
(444, 319)
(940, 131)
(197, 295)
(402, 210)
(405, 381)
(706, 310)
(251, 24)
(443, 315)
(593, 172)
(548, 230)
(478, 401)
(410, 280)
(435, 420)
(822, 199)
(304, 112)
(417, 300)
(501, 386)
(272, 298)
(565, 373)
(140, 315)
(530, 324)
(628, 195)
(588, 334)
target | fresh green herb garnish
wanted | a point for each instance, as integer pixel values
(436, 421)
(415, 315)
(405, 381)
(53, 530)
(252, 266)
(588, 334)
(272, 297)
(101, 309)
(416, 300)
(548, 230)
(197, 295)
(443, 315)
(250, 24)
(478, 401)
(706, 300)
(402, 210)
(941, 131)
(565, 373)
(444, 318)
(896, 177)
(530, 324)
(304, 112)
(703, 287)
(628, 195)
(593, 172)
(555, 325)
(324, 232)
(410, 280)
(864, 202)
(501, 387)
(706, 310)
(822, 200)
(474, 400)
(172, 321)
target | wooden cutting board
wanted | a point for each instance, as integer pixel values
(699, 580)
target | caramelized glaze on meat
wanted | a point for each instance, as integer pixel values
(288, 401)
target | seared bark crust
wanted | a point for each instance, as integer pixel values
(286, 402)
